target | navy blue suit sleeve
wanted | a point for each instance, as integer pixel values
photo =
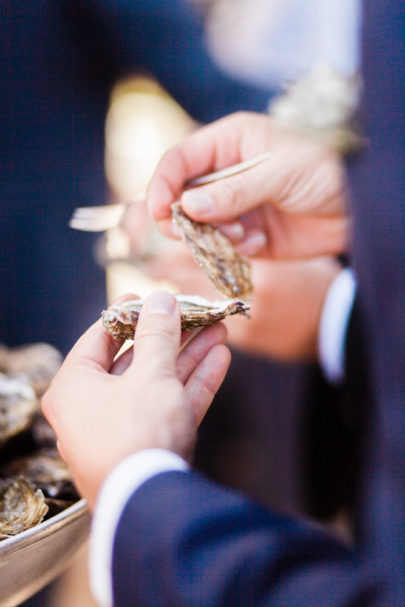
(183, 540)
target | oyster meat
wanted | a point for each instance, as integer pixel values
(22, 506)
(120, 320)
(228, 271)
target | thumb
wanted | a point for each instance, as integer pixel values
(95, 348)
(231, 197)
(158, 332)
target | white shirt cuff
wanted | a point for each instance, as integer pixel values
(333, 325)
(121, 483)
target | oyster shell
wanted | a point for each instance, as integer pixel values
(228, 271)
(38, 362)
(120, 321)
(22, 506)
(47, 471)
(18, 406)
(34, 481)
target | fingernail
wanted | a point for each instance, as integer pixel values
(234, 231)
(254, 243)
(161, 302)
(198, 201)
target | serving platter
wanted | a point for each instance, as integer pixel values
(32, 559)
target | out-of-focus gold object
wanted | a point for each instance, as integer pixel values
(142, 123)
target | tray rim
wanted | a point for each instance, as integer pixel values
(64, 518)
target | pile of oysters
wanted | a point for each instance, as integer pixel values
(35, 483)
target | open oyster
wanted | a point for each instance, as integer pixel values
(120, 321)
(18, 406)
(21, 506)
(228, 271)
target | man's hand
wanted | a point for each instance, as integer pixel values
(102, 411)
(286, 309)
(290, 206)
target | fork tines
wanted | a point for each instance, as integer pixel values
(105, 217)
(97, 218)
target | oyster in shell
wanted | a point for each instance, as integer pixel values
(38, 362)
(120, 320)
(22, 506)
(34, 481)
(47, 471)
(18, 406)
(228, 271)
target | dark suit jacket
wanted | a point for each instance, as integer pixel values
(182, 540)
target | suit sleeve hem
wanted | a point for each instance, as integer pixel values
(333, 325)
(122, 482)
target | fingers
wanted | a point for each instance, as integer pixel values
(234, 230)
(157, 335)
(95, 348)
(299, 178)
(228, 199)
(253, 244)
(121, 364)
(210, 148)
(198, 348)
(206, 379)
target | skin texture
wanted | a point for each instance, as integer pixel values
(152, 397)
(292, 206)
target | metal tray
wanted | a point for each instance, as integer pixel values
(33, 558)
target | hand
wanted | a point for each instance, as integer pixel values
(285, 309)
(290, 206)
(102, 411)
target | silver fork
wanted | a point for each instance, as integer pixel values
(108, 216)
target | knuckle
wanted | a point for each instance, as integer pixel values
(232, 194)
(170, 156)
